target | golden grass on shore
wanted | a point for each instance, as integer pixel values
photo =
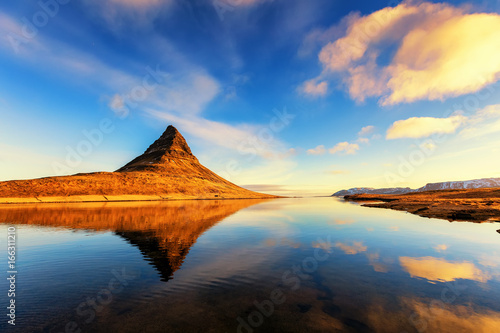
(477, 205)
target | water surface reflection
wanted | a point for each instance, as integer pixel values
(213, 266)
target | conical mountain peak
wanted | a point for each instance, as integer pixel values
(172, 142)
(170, 146)
(166, 170)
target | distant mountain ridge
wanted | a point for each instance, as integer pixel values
(465, 184)
(370, 190)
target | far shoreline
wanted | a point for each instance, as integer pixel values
(116, 198)
(471, 205)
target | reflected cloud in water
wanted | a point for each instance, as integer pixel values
(438, 269)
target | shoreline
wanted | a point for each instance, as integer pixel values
(116, 198)
(472, 205)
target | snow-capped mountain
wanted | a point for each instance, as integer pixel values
(476, 183)
(369, 190)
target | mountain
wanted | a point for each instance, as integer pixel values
(369, 190)
(466, 184)
(166, 170)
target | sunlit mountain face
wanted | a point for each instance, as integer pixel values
(189, 265)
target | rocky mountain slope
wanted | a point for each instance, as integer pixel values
(166, 170)
(467, 184)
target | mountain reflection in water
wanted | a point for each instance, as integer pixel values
(164, 232)
(208, 266)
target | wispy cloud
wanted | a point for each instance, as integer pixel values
(121, 15)
(353, 248)
(314, 88)
(319, 150)
(345, 148)
(367, 130)
(187, 94)
(243, 138)
(244, 3)
(484, 122)
(137, 3)
(443, 51)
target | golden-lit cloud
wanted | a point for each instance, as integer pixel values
(442, 51)
(441, 317)
(454, 58)
(441, 247)
(325, 246)
(343, 221)
(344, 147)
(425, 314)
(319, 150)
(314, 88)
(354, 248)
(437, 269)
(420, 127)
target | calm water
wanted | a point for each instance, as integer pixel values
(287, 265)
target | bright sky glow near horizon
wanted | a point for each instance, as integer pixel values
(288, 96)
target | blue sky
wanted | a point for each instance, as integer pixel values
(287, 96)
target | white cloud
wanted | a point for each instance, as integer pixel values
(319, 150)
(187, 94)
(243, 139)
(243, 3)
(367, 130)
(484, 122)
(314, 88)
(344, 147)
(352, 248)
(117, 105)
(428, 146)
(443, 51)
(420, 127)
(121, 15)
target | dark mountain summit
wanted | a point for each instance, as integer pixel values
(170, 145)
